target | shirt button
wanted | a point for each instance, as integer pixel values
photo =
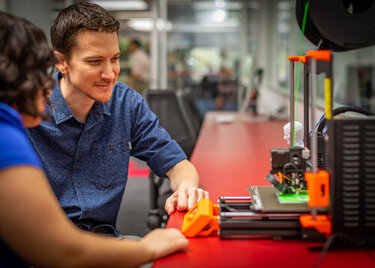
(78, 185)
(111, 148)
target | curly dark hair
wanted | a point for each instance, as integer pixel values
(26, 64)
(78, 17)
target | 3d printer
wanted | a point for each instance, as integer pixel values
(326, 187)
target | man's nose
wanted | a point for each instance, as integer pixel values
(108, 72)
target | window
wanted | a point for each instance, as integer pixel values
(354, 71)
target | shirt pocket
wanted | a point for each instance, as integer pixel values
(111, 165)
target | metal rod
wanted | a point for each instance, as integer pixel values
(154, 82)
(314, 148)
(259, 215)
(313, 119)
(306, 104)
(314, 212)
(235, 198)
(291, 75)
(163, 7)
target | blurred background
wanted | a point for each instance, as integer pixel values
(226, 54)
(218, 49)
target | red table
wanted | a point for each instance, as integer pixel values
(232, 153)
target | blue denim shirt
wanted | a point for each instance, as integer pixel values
(87, 163)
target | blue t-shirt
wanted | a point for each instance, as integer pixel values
(87, 163)
(15, 149)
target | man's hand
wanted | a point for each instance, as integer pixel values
(184, 199)
(184, 182)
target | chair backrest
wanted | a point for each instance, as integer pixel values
(191, 110)
(172, 116)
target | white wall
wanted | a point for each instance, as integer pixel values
(271, 100)
(38, 12)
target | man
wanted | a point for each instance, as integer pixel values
(139, 67)
(98, 123)
(34, 230)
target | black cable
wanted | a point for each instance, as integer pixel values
(371, 255)
(330, 240)
(344, 109)
(325, 249)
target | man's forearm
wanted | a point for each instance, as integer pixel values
(183, 174)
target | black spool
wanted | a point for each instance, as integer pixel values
(338, 25)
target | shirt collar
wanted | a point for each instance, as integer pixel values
(61, 110)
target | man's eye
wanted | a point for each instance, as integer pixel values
(115, 58)
(94, 61)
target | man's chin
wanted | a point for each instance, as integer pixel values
(103, 100)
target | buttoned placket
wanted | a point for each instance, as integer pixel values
(77, 170)
(78, 177)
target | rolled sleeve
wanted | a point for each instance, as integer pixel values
(166, 158)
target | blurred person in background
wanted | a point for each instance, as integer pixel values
(139, 60)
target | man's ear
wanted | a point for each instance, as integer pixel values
(62, 63)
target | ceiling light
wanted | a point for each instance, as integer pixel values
(122, 5)
(219, 15)
(147, 24)
(206, 5)
(219, 3)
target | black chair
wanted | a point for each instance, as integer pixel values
(194, 115)
(169, 107)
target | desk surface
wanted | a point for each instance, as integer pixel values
(230, 155)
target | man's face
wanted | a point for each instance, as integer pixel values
(93, 67)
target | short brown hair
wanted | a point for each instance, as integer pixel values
(76, 18)
(26, 64)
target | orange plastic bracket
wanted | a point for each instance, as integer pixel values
(201, 220)
(318, 188)
(319, 54)
(302, 59)
(321, 223)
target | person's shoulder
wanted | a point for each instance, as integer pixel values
(8, 115)
(11, 129)
(10, 134)
(14, 145)
(143, 55)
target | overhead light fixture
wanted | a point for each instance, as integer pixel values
(122, 5)
(220, 3)
(209, 5)
(219, 15)
(146, 24)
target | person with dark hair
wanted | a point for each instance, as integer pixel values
(139, 67)
(99, 123)
(33, 228)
